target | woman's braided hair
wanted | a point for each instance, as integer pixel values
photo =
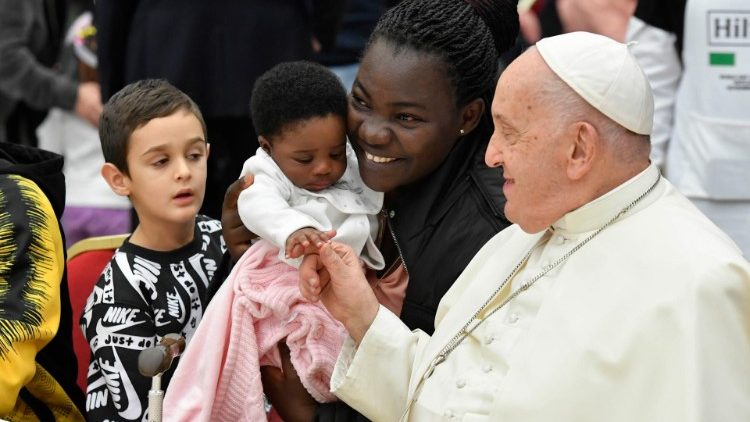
(468, 35)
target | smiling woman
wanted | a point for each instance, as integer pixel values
(406, 130)
(419, 123)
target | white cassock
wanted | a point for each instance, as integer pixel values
(649, 321)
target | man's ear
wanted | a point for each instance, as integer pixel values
(471, 114)
(264, 144)
(117, 181)
(585, 146)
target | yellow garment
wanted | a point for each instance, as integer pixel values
(22, 337)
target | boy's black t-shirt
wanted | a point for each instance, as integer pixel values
(141, 296)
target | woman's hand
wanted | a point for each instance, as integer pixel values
(236, 235)
(285, 391)
(335, 276)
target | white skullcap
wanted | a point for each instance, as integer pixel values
(605, 74)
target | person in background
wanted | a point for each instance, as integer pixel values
(155, 151)
(606, 17)
(358, 21)
(696, 54)
(419, 122)
(37, 363)
(91, 208)
(31, 32)
(538, 19)
(546, 18)
(610, 298)
(213, 51)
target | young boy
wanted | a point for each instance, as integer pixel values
(307, 179)
(154, 143)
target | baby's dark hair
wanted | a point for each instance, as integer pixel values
(468, 35)
(292, 92)
(134, 106)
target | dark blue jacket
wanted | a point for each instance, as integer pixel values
(212, 50)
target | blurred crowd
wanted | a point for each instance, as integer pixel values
(61, 60)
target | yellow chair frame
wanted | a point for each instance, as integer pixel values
(94, 243)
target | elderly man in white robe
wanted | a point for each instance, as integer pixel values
(612, 298)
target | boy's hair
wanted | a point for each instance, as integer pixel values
(292, 92)
(134, 106)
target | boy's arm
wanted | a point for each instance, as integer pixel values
(116, 333)
(31, 269)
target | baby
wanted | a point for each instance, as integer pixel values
(307, 189)
(307, 181)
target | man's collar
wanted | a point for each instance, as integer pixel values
(597, 212)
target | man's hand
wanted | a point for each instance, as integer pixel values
(336, 277)
(236, 235)
(306, 240)
(89, 102)
(285, 391)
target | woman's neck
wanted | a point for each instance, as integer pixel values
(389, 199)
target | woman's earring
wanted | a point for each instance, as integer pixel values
(462, 132)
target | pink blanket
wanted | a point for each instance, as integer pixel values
(218, 377)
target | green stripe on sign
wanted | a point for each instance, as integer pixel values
(721, 59)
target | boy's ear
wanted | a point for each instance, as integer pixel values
(264, 144)
(117, 181)
(471, 114)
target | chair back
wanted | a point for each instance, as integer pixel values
(86, 261)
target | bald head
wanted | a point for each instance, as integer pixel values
(557, 151)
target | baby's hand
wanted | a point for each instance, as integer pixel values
(306, 240)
